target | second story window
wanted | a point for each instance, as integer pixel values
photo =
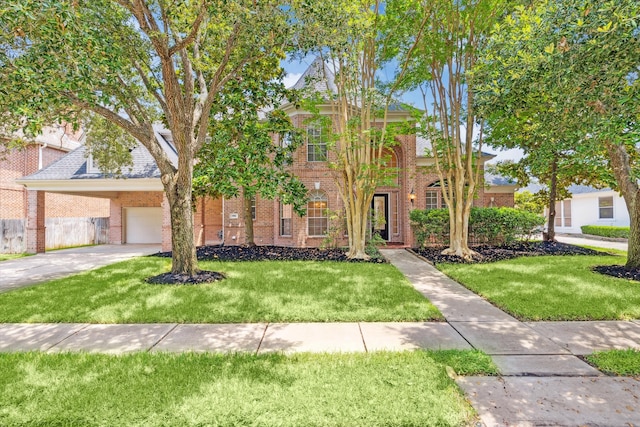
(316, 145)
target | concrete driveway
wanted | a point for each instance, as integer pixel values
(21, 272)
(576, 239)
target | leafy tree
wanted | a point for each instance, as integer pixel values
(446, 51)
(349, 36)
(579, 58)
(240, 158)
(135, 63)
(527, 201)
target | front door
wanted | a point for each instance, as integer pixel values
(380, 215)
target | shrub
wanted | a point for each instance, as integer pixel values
(606, 231)
(486, 225)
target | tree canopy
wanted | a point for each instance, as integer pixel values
(135, 63)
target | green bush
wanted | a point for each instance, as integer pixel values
(606, 231)
(486, 225)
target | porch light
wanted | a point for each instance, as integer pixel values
(412, 196)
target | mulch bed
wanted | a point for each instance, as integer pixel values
(270, 253)
(618, 271)
(489, 254)
(184, 279)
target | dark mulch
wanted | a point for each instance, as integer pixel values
(498, 253)
(271, 253)
(184, 279)
(618, 271)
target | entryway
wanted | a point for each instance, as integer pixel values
(380, 215)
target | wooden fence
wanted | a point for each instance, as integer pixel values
(60, 233)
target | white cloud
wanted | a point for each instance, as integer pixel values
(291, 79)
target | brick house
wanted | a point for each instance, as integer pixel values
(63, 211)
(139, 212)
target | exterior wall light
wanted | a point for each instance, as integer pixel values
(412, 196)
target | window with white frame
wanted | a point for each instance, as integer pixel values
(286, 214)
(316, 145)
(432, 199)
(605, 207)
(317, 219)
(253, 207)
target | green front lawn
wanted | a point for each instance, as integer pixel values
(375, 389)
(552, 287)
(269, 291)
(618, 362)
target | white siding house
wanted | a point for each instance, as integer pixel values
(590, 206)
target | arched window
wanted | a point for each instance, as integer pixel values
(391, 170)
(317, 218)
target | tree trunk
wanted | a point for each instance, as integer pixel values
(358, 220)
(628, 186)
(248, 219)
(633, 249)
(553, 191)
(178, 190)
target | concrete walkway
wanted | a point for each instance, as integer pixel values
(543, 382)
(21, 272)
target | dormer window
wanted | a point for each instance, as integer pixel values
(92, 165)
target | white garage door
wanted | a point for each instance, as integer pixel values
(143, 225)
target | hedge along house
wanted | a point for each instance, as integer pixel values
(140, 212)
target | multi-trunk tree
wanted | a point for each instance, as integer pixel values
(582, 57)
(135, 63)
(349, 37)
(442, 54)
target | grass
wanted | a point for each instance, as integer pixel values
(5, 257)
(552, 287)
(269, 291)
(618, 362)
(374, 389)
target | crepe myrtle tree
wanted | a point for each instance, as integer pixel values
(349, 37)
(135, 63)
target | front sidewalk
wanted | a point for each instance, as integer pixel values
(543, 382)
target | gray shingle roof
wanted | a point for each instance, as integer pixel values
(314, 79)
(495, 179)
(74, 166)
(573, 189)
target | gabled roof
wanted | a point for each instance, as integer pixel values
(75, 166)
(317, 78)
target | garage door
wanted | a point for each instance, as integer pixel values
(143, 225)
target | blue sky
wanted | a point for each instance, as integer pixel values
(295, 68)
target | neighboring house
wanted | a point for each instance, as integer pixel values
(139, 211)
(588, 206)
(70, 219)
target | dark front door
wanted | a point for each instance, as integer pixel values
(380, 215)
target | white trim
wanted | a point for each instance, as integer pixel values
(93, 185)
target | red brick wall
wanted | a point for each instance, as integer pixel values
(18, 163)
